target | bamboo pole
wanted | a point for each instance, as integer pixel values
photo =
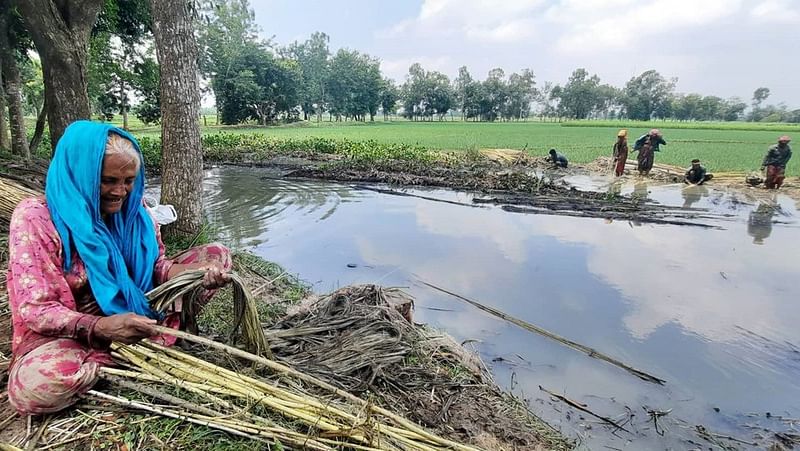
(243, 430)
(533, 328)
(317, 416)
(283, 369)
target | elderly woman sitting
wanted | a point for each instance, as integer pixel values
(81, 260)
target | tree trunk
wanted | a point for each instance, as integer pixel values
(5, 139)
(181, 156)
(12, 85)
(16, 117)
(36, 139)
(60, 30)
(124, 108)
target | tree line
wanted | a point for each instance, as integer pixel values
(65, 60)
(254, 80)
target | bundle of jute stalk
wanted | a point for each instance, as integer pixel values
(188, 288)
(11, 193)
(228, 401)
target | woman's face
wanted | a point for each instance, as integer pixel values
(116, 181)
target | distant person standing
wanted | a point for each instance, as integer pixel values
(696, 174)
(775, 162)
(558, 159)
(647, 145)
(620, 152)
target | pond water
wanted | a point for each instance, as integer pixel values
(713, 312)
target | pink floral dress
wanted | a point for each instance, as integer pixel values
(55, 355)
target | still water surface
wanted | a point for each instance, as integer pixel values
(714, 312)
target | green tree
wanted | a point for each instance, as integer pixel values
(710, 108)
(581, 96)
(492, 95)
(147, 88)
(547, 100)
(426, 94)
(464, 88)
(733, 109)
(354, 85)
(759, 96)
(228, 32)
(648, 96)
(121, 30)
(33, 96)
(521, 92)
(389, 97)
(686, 107)
(608, 101)
(61, 31)
(313, 56)
(258, 86)
(13, 44)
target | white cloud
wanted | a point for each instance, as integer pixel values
(621, 27)
(617, 39)
(511, 31)
(508, 236)
(507, 21)
(705, 302)
(398, 68)
(776, 12)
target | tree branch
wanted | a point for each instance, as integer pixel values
(42, 17)
(81, 13)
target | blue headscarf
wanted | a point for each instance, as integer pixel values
(119, 252)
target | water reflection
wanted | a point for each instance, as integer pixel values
(640, 188)
(759, 224)
(244, 201)
(692, 194)
(673, 301)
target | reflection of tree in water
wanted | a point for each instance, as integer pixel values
(692, 194)
(759, 224)
(240, 202)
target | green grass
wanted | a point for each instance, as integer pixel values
(723, 146)
(745, 126)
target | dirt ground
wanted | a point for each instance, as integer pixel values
(667, 174)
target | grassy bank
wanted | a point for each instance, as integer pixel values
(720, 150)
(723, 146)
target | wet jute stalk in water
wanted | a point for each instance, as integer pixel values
(591, 352)
(188, 288)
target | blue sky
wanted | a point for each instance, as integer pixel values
(720, 47)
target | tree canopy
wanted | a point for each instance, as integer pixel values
(254, 80)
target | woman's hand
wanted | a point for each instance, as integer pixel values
(215, 277)
(126, 328)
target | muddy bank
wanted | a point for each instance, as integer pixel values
(362, 339)
(521, 186)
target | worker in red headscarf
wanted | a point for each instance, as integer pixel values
(647, 145)
(775, 162)
(620, 152)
